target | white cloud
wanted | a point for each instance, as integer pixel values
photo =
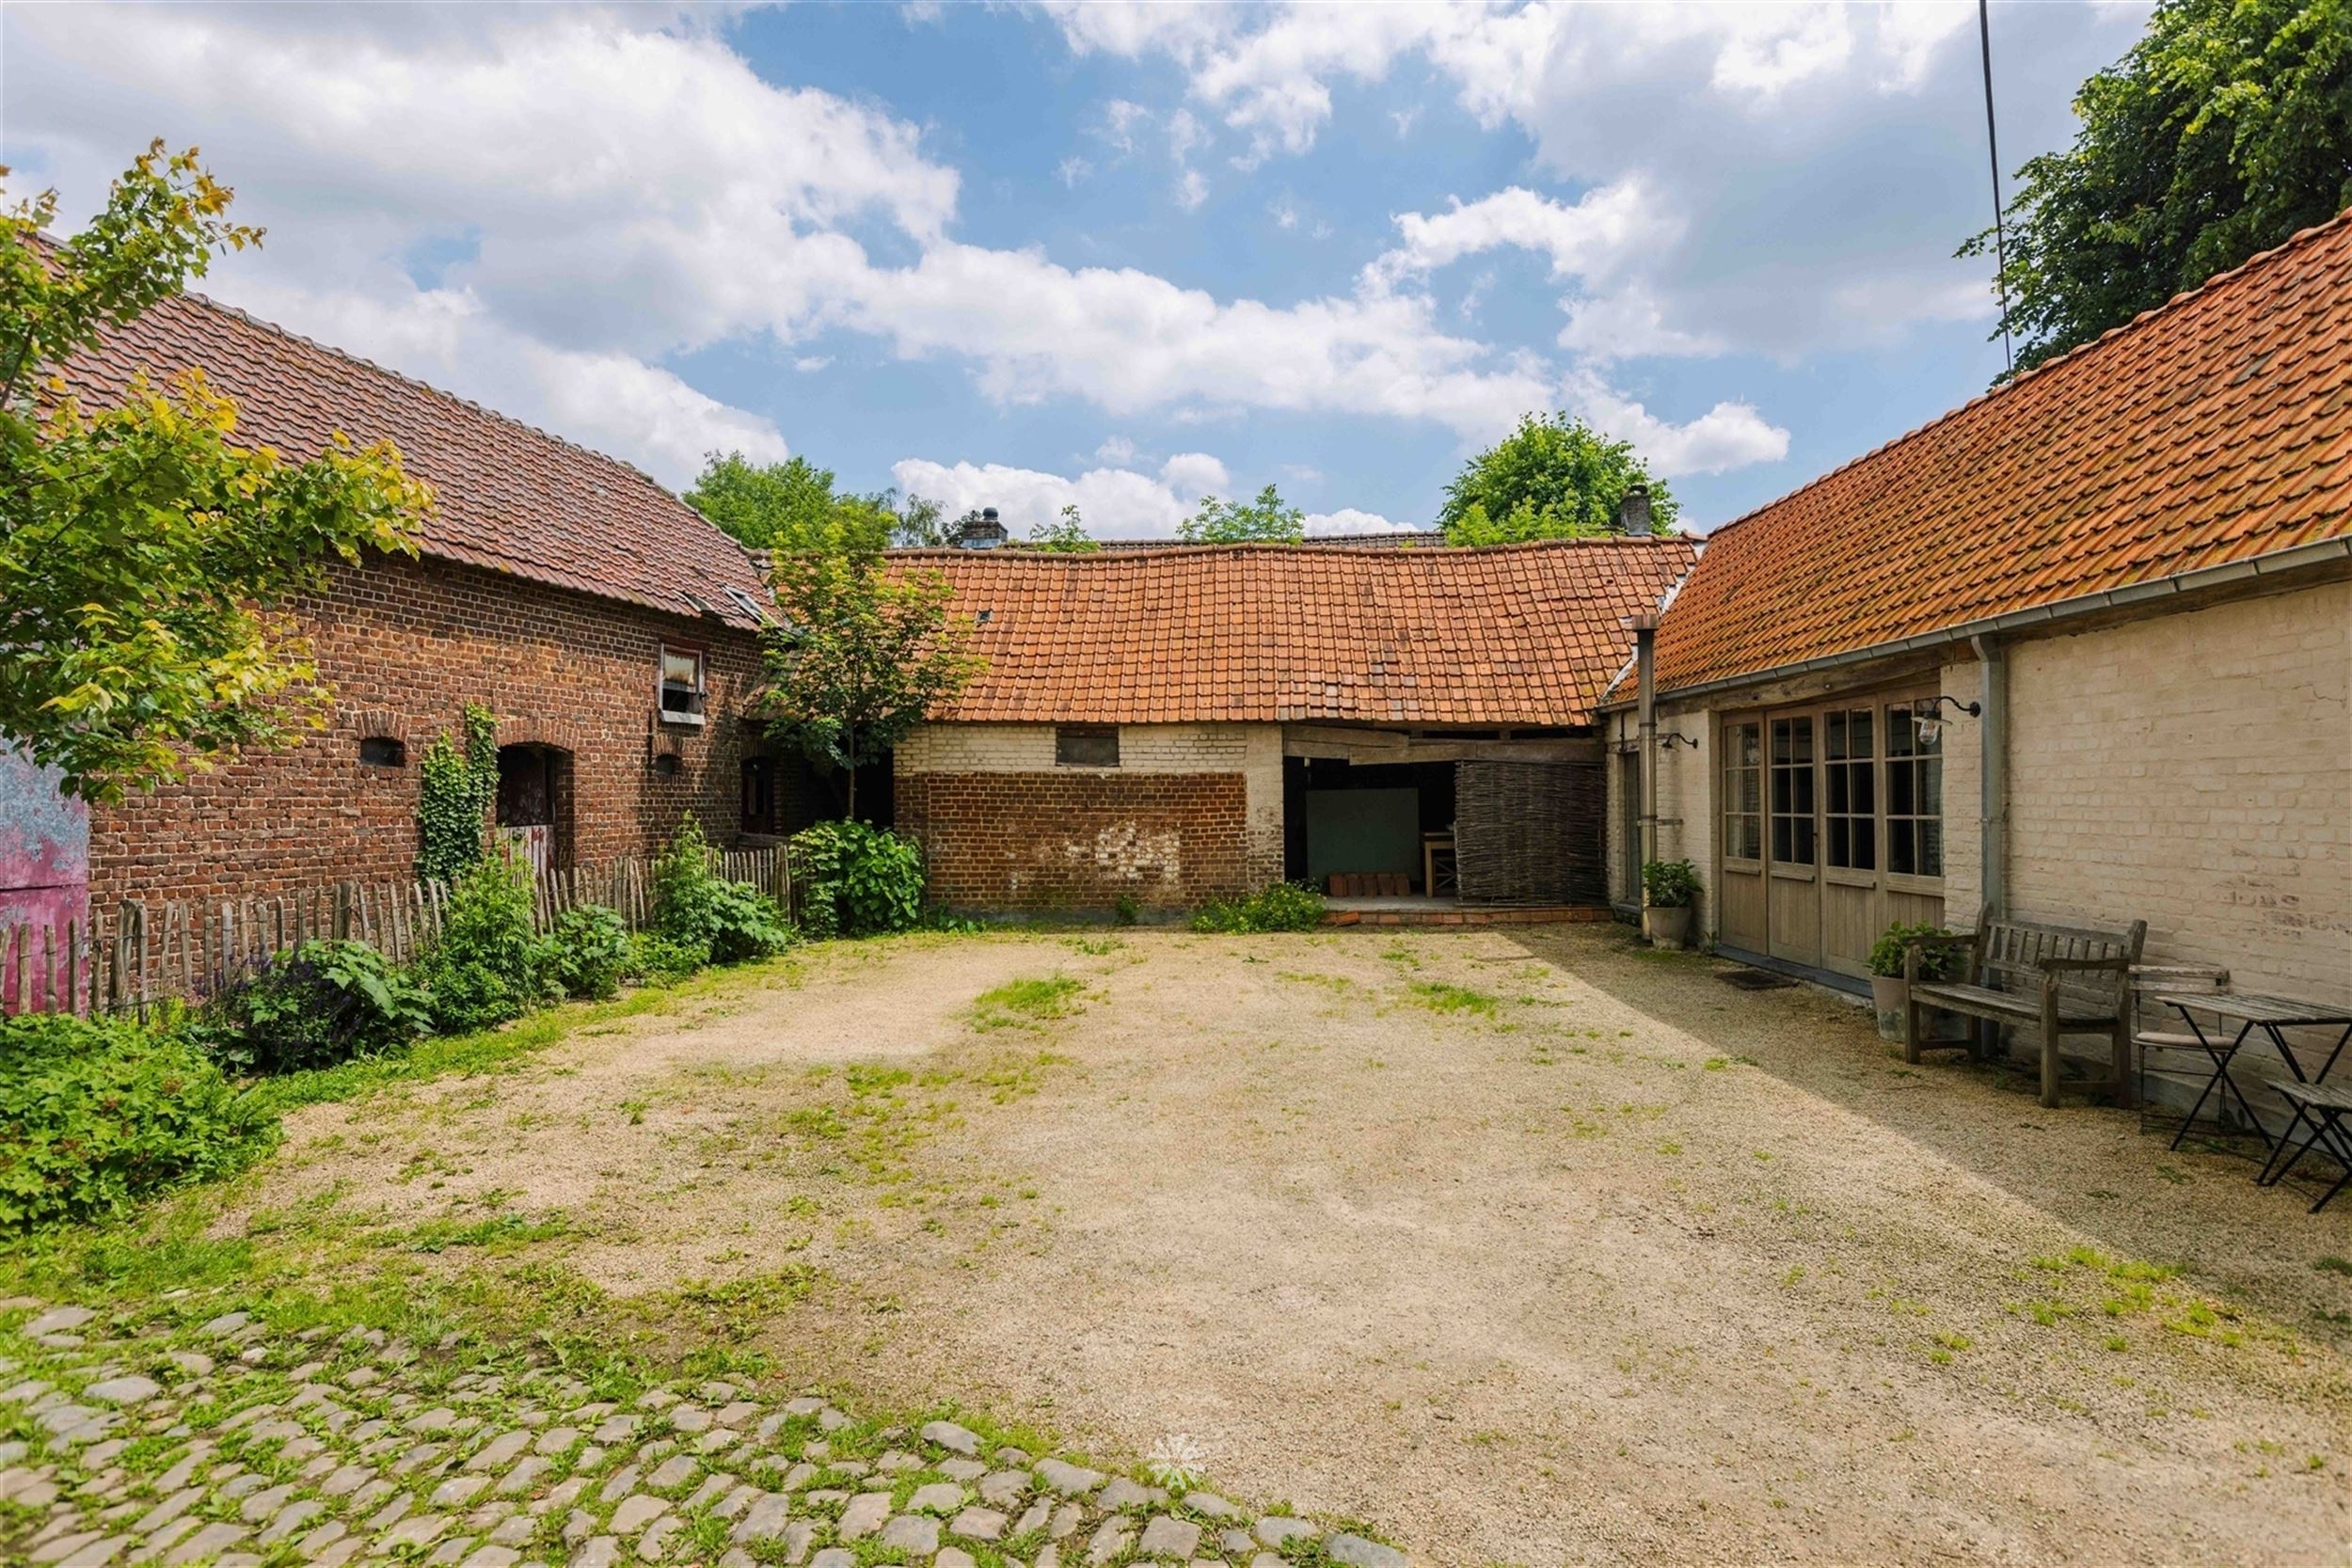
(807, 362)
(1349, 520)
(1626, 325)
(1129, 342)
(1191, 475)
(1116, 450)
(1728, 436)
(1114, 503)
(609, 401)
(1072, 169)
(605, 191)
(1605, 229)
(1770, 118)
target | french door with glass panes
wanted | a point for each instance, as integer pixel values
(1832, 828)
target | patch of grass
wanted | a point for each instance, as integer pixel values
(1027, 1004)
(504, 1232)
(2332, 1264)
(1440, 997)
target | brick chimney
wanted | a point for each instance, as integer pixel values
(984, 532)
(1633, 512)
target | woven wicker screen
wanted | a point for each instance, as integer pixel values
(1529, 833)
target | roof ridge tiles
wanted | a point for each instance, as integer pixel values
(1285, 548)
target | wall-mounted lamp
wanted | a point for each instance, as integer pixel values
(1675, 737)
(1930, 726)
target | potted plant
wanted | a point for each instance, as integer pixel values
(1889, 992)
(1669, 887)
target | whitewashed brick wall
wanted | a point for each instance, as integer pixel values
(1253, 751)
(2195, 772)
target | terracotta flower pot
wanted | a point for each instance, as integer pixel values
(1666, 927)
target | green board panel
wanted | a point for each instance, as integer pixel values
(1363, 829)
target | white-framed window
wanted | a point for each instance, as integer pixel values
(1086, 746)
(682, 687)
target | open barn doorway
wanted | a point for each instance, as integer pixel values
(1369, 829)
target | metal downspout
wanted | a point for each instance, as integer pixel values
(1644, 660)
(1993, 776)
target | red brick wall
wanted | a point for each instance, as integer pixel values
(405, 645)
(1042, 841)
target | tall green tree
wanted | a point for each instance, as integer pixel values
(1065, 536)
(797, 505)
(1555, 476)
(859, 654)
(2226, 129)
(1266, 520)
(146, 556)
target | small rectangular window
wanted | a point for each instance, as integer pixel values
(683, 685)
(1086, 746)
(383, 750)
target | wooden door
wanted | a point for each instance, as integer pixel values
(1739, 868)
(1792, 914)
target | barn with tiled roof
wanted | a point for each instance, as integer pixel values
(607, 625)
(1411, 726)
(2079, 651)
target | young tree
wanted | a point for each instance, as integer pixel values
(146, 557)
(1265, 521)
(2226, 129)
(1555, 476)
(1067, 536)
(860, 655)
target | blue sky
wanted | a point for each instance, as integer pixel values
(1115, 255)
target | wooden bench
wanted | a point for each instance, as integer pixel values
(2056, 979)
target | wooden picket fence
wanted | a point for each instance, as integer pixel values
(137, 954)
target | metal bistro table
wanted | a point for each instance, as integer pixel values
(2272, 1015)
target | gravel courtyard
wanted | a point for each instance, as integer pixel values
(1517, 1247)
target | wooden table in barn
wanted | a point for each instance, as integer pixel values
(2273, 1016)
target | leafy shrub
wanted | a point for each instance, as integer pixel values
(685, 889)
(857, 881)
(1887, 954)
(746, 924)
(95, 1116)
(658, 961)
(487, 965)
(1670, 885)
(1275, 906)
(695, 908)
(323, 1003)
(588, 952)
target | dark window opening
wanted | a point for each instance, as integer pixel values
(1086, 746)
(667, 765)
(383, 750)
(759, 794)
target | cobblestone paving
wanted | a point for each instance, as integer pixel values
(221, 1443)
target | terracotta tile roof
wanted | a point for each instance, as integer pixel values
(1515, 634)
(2210, 431)
(512, 499)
